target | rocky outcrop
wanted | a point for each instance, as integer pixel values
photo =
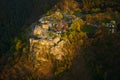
(46, 47)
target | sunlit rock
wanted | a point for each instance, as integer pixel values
(47, 45)
(57, 51)
(56, 40)
(37, 31)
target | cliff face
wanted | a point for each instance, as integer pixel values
(44, 44)
(47, 46)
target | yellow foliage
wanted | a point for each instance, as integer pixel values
(18, 45)
(25, 50)
(77, 24)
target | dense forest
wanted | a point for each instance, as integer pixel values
(93, 35)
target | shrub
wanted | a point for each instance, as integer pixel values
(95, 10)
(77, 24)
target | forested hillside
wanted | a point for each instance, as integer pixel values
(59, 40)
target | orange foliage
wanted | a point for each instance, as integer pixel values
(90, 19)
(102, 16)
